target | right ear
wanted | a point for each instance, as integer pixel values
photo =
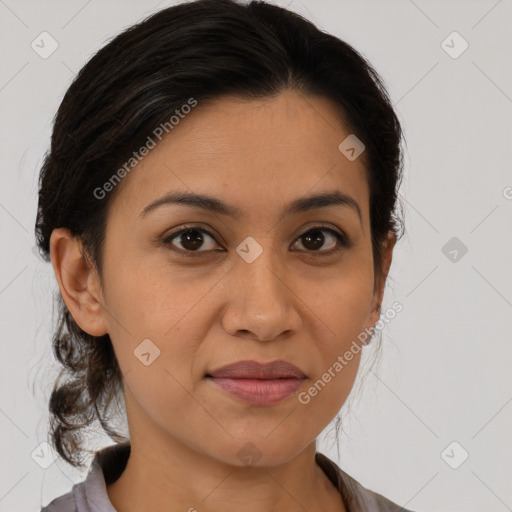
(78, 282)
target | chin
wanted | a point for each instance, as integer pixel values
(259, 450)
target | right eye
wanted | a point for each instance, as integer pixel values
(191, 239)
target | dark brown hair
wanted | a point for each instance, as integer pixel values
(203, 49)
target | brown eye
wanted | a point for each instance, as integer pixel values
(315, 239)
(191, 240)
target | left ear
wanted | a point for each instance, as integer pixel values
(387, 254)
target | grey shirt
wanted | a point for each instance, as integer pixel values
(108, 464)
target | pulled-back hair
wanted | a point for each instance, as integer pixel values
(203, 49)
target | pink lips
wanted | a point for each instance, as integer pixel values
(258, 383)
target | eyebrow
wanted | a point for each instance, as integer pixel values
(214, 205)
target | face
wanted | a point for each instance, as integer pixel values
(187, 290)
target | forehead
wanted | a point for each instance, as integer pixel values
(261, 153)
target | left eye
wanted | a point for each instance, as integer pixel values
(192, 239)
(314, 238)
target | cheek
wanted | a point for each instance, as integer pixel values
(155, 298)
(342, 307)
(157, 323)
(342, 304)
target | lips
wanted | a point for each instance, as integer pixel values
(256, 383)
(249, 369)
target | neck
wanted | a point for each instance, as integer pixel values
(180, 479)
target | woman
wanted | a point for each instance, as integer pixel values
(218, 204)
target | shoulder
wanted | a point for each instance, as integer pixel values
(370, 500)
(79, 497)
(356, 497)
(64, 503)
(90, 495)
(86, 496)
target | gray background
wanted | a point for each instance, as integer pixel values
(444, 374)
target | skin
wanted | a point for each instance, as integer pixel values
(202, 312)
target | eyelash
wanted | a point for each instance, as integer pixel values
(343, 241)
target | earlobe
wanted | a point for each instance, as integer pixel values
(78, 282)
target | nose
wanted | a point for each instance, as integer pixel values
(262, 303)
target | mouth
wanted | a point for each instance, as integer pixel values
(256, 383)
